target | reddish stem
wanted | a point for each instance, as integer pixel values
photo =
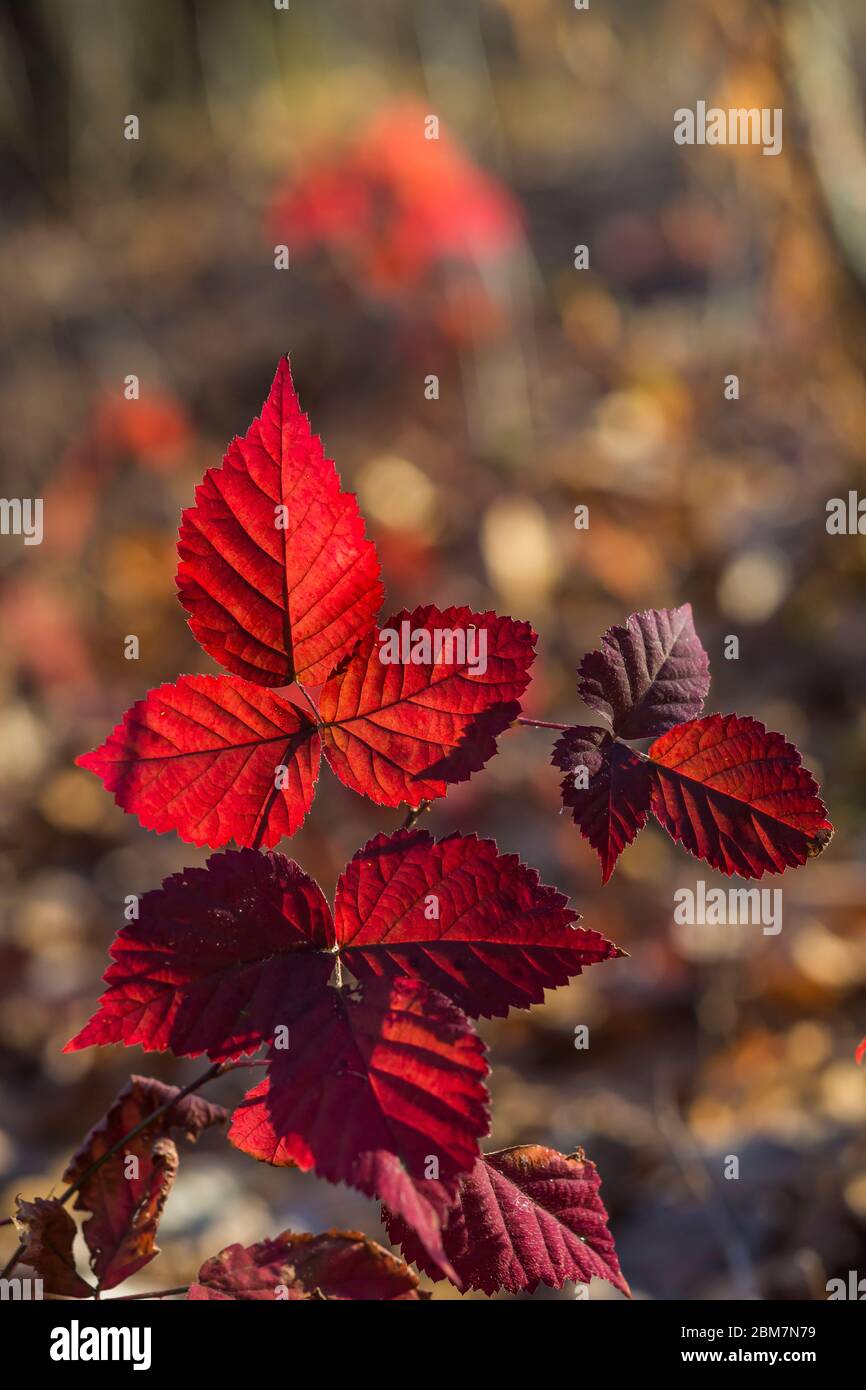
(415, 815)
(542, 724)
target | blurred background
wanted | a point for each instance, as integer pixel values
(556, 387)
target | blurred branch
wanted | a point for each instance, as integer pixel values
(821, 51)
(702, 1187)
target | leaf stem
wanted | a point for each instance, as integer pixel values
(256, 842)
(309, 699)
(158, 1293)
(541, 724)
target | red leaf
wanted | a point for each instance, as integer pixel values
(737, 796)
(202, 757)
(277, 602)
(47, 1232)
(336, 1265)
(523, 1216)
(394, 208)
(126, 1194)
(649, 675)
(374, 1085)
(378, 1087)
(403, 731)
(861, 1051)
(500, 937)
(217, 959)
(219, 759)
(614, 805)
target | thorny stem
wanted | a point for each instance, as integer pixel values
(415, 815)
(218, 1069)
(121, 1298)
(259, 835)
(157, 1293)
(564, 728)
(541, 724)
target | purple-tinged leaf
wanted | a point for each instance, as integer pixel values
(649, 675)
(614, 804)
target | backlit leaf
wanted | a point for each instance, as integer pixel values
(649, 675)
(737, 796)
(523, 1216)
(275, 572)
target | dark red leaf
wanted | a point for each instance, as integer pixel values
(475, 925)
(217, 959)
(394, 1065)
(336, 1265)
(615, 803)
(649, 675)
(126, 1194)
(47, 1232)
(375, 1085)
(737, 796)
(203, 757)
(523, 1216)
(277, 597)
(403, 731)
(380, 1087)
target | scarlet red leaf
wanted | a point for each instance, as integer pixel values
(614, 804)
(275, 572)
(523, 1216)
(737, 796)
(47, 1232)
(214, 758)
(476, 925)
(126, 1193)
(336, 1265)
(374, 1086)
(402, 730)
(216, 960)
(649, 675)
(219, 759)
(861, 1051)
